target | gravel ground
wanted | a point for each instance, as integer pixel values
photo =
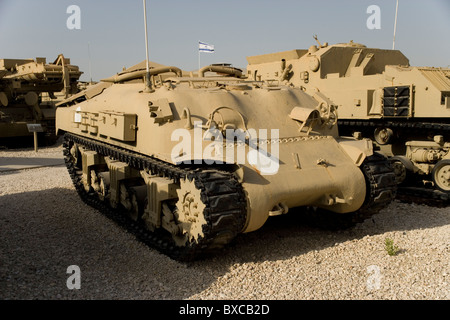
(45, 228)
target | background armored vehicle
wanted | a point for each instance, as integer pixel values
(405, 109)
(187, 163)
(29, 90)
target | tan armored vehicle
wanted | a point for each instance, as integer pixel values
(190, 162)
(29, 90)
(405, 109)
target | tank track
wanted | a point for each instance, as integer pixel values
(381, 191)
(220, 191)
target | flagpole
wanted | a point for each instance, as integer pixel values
(148, 85)
(395, 26)
(198, 56)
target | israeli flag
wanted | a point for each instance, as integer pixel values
(204, 47)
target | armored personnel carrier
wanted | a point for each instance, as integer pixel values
(188, 163)
(29, 90)
(404, 109)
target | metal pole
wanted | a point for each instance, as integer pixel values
(395, 26)
(35, 136)
(148, 86)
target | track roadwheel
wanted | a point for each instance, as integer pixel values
(74, 155)
(189, 213)
(104, 183)
(400, 171)
(132, 199)
(383, 135)
(441, 175)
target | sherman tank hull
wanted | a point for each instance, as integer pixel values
(206, 158)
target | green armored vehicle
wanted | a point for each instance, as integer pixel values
(188, 163)
(404, 109)
(29, 90)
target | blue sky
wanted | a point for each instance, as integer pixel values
(114, 30)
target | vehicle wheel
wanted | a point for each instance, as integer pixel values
(400, 171)
(404, 170)
(441, 175)
(383, 135)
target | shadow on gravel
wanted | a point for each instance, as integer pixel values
(11, 164)
(45, 232)
(297, 237)
(27, 143)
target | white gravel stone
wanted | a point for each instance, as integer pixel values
(45, 228)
